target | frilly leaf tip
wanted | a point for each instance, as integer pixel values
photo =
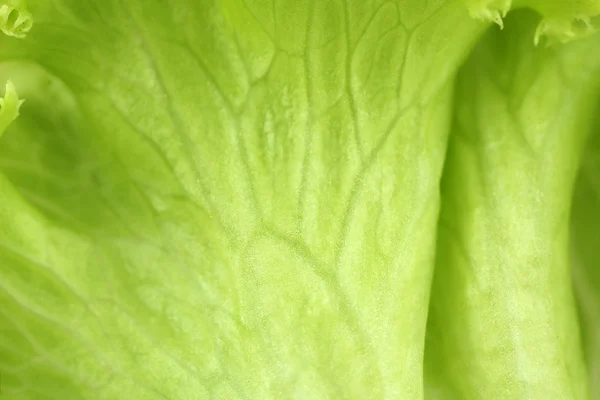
(489, 10)
(9, 106)
(10, 93)
(10, 86)
(563, 30)
(15, 19)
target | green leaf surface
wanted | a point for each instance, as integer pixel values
(240, 199)
(503, 322)
(585, 237)
(224, 199)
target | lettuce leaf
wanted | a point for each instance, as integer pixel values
(584, 244)
(240, 199)
(502, 306)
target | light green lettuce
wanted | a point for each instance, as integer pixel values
(503, 323)
(585, 237)
(240, 199)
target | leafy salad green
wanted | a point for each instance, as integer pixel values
(300, 199)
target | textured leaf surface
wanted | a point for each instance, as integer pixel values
(503, 322)
(224, 199)
(240, 199)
